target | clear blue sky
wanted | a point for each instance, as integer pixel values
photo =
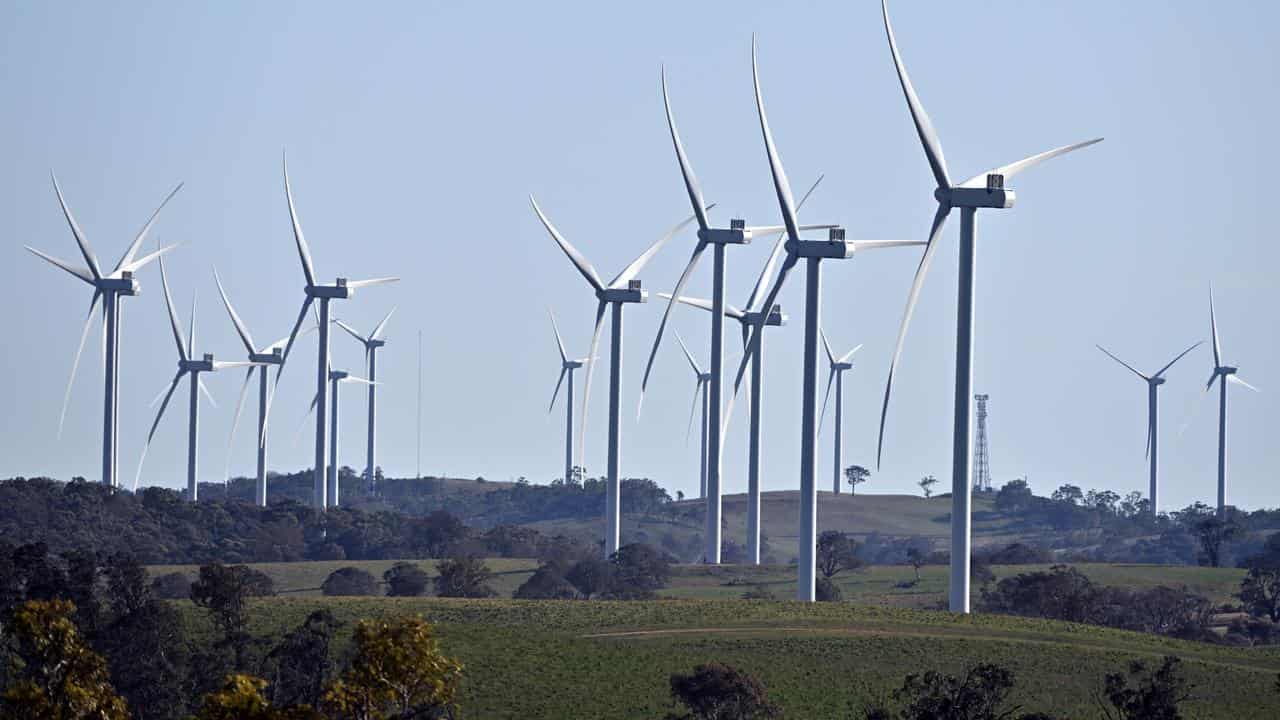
(416, 132)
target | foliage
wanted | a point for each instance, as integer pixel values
(827, 591)
(546, 583)
(172, 586)
(721, 692)
(926, 484)
(638, 570)
(1260, 592)
(406, 580)
(350, 581)
(54, 674)
(855, 475)
(1145, 694)
(466, 577)
(1214, 534)
(240, 698)
(836, 551)
(590, 576)
(300, 664)
(224, 591)
(397, 671)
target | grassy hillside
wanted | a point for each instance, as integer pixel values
(602, 659)
(877, 585)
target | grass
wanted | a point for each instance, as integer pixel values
(612, 659)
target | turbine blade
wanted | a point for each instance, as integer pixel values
(235, 420)
(586, 385)
(233, 364)
(939, 219)
(85, 250)
(1236, 380)
(693, 411)
(173, 385)
(689, 356)
(191, 331)
(822, 417)
(924, 126)
(1012, 169)
(767, 271)
(845, 358)
(1212, 377)
(79, 272)
(753, 345)
(351, 331)
(1147, 454)
(629, 272)
(1180, 356)
(205, 391)
(575, 257)
(826, 345)
(729, 310)
(136, 265)
(563, 371)
(1131, 368)
(241, 330)
(564, 357)
(382, 324)
(666, 314)
(127, 258)
(304, 252)
(75, 363)
(173, 315)
(863, 245)
(761, 230)
(780, 183)
(293, 336)
(354, 284)
(686, 170)
(1213, 327)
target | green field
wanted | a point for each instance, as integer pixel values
(612, 659)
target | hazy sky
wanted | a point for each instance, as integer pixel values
(416, 132)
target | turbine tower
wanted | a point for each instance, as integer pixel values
(736, 234)
(751, 317)
(341, 289)
(981, 191)
(192, 367)
(814, 251)
(1223, 374)
(701, 380)
(622, 290)
(837, 367)
(567, 367)
(109, 288)
(264, 357)
(1153, 417)
(371, 343)
(336, 378)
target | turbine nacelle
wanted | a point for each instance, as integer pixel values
(339, 290)
(204, 364)
(736, 234)
(123, 285)
(994, 195)
(572, 364)
(1155, 381)
(338, 375)
(632, 293)
(841, 366)
(1225, 370)
(375, 343)
(774, 318)
(275, 357)
(835, 246)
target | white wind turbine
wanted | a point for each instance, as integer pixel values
(1154, 382)
(1223, 374)
(109, 288)
(836, 368)
(336, 379)
(567, 368)
(623, 289)
(262, 358)
(981, 191)
(736, 234)
(341, 289)
(189, 365)
(701, 380)
(814, 251)
(371, 343)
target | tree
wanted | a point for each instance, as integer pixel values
(1070, 494)
(855, 475)
(57, 675)
(438, 532)
(172, 586)
(465, 577)
(1014, 496)
(721, 692)
(916, 558)
(1214, 534)
(978, 695)
(300, 666)
(826, 591)
(406, 579)
(397, 671)
(590, 576)
(926, 484)
(350, 581)
(1260, 592)
(240, 698)
(1145, 694)
(836, 552)
(224, 591)
(638, 570)
(546, 583)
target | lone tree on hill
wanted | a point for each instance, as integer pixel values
(926, 484)
(855, 475)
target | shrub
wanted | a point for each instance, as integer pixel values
(350, 581)
(466, 577)
(406, 580)
(721, 692)
(172, 586)
(827, 591)
(546, 583)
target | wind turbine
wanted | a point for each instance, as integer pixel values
(622, 290)
(262, 358)
(567, 367)
(1227, 373)
(701, 380)
(187, 365)
(336, 378)
(981, 191)
(371, 343)
(749, 317)
(736, 234)
(109, 288)
(1154, 382)
(341, 289)
(814, 251)
(836, 373)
